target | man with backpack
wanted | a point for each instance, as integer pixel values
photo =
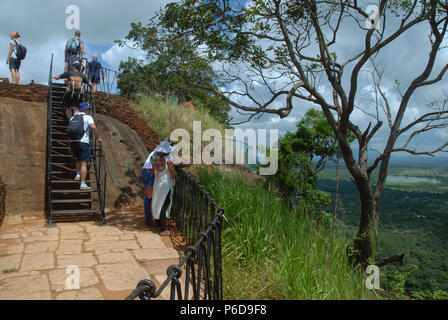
(71, 60)
(17, 53)
(78, 132)
(75, 91)
(94, 70)
(74, 47)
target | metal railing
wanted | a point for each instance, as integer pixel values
(108, 84)
(199, 218)
(49, 142)
(97, 154)
(96, 150)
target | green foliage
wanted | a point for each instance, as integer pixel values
(395, 282)
(414, 222)
(171, 61)
(164, 116)
(296, 175)
(273, 252)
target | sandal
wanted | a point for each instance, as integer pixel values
(166, 233)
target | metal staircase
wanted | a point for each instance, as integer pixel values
(64, 200)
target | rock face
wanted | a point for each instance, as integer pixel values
(22, 153)
(125, 155)
(23, 156)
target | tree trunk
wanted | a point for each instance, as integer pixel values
(365, 240)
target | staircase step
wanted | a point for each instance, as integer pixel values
(69, 171)
(73, 201)
(74, 191)
(57, 85)
(66, 164)
(70, 181)
(74, 212)
(62, 156)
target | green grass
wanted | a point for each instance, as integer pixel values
(164, 116)
(271, 252)
(9, 270)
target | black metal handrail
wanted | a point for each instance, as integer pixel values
(97, 153)
(49, 142)
(199, 218)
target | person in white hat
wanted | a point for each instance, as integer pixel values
(159, 165)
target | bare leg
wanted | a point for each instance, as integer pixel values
(12, 75)
(15, 76)
(78, 166)
(83, 171)
(68, 113)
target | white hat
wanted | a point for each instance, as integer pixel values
(164, 147)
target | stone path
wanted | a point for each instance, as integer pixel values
(36, 262)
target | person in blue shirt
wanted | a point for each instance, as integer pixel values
(95, 68)
(148, 178)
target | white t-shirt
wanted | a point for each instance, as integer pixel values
(14, 52)
(88, 120)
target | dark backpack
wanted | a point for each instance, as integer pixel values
(75, 128)
(74, 46)
(20, 51)
(72, 60)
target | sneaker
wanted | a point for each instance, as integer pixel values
(85, 187)
(78, 177)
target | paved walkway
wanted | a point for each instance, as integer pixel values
(111, 259)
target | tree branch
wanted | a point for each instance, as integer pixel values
(389, 259)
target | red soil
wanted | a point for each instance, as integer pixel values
(109, 104)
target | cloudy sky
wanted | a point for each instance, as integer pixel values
(42, 25)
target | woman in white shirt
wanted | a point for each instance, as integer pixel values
(14, 63)
(162, 194)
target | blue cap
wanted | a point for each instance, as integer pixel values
(84, 106)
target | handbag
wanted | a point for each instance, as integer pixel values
(148, 192)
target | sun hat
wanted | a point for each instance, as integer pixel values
(84, 106)
(15, 35)
(164, 147)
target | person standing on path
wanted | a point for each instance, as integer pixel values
(12, 60)
(148, 178)
(162, 194)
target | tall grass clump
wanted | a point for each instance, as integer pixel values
(164, 116)
(273, 252)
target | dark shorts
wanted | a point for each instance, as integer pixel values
(14, 63)
(95, 79)
(72, 101)
(81, 151)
